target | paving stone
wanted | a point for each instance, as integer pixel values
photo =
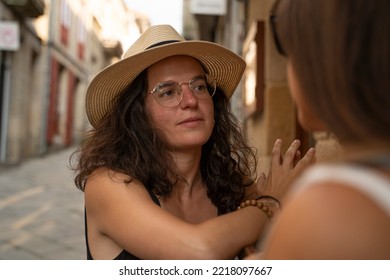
(42, 214)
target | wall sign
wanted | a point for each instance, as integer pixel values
(208, 7)
(9, 36)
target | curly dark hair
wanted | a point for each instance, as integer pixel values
(124, 141)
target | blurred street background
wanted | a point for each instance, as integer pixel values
(50, 51)
(41, 210)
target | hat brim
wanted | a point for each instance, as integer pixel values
(224, 65)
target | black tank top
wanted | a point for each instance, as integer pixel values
(124, 255)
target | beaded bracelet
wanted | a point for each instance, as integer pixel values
(269, 197)
(263, 203)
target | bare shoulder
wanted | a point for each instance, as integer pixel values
(103, 183)
(118, 210)
(330, 221)
(108, 193)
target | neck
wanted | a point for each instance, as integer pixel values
(375, 156)
(356, 152)
(187, 165)
(189, 199)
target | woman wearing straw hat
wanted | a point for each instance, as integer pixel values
(165, 160)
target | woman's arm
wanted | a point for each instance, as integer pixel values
(126, 215)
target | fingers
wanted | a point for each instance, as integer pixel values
(308, 159)
(291, 154)
(277, 153)
(297, 158)
(284, 169)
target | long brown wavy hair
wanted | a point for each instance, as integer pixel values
(340, 52)
(124, 141)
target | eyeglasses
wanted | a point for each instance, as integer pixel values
(169, 94)
(273, 21)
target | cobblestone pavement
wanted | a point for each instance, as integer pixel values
(41, 210)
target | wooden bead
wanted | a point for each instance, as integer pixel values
(259, 204)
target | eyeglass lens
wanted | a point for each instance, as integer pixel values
(169, 93)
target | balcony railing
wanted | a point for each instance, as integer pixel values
(27, 8)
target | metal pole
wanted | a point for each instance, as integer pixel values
(5, 77)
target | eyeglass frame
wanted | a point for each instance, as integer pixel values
(272, 22)
(207, 78)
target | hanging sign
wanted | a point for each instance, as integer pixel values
(208, 7)
(9, 36)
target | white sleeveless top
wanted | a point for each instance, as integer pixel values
(365, 180)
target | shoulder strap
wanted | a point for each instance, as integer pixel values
(89, 256)
(153, 196)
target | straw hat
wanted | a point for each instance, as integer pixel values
(156, 43)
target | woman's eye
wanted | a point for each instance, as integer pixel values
(200, 87)
(166, 92)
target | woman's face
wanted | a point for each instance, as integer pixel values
(306, 115)
(190, 123)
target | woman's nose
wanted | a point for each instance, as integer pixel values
(188, 98)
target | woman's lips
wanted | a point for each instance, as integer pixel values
(191, 121)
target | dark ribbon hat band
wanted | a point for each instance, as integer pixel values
(162, 43)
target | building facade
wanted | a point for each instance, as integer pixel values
(262, 101)
(62, 44)
(20, 97)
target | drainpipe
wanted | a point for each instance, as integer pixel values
(5, 78)
(45, 112)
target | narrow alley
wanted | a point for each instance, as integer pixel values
(41, 210)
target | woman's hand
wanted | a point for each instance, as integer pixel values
(283, 169)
